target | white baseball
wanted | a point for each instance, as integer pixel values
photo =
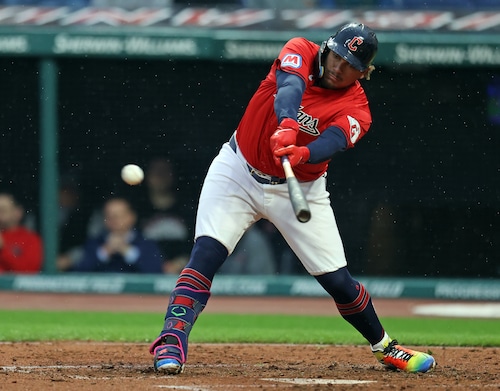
(132, 174)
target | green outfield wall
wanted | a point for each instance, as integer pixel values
(396, 48)
(449, 289)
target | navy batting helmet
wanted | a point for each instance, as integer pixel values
(355, 43)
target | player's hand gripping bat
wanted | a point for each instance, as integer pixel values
(299, 203)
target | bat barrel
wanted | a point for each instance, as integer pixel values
(298, 200)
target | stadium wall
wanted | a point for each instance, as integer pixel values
(418, 197)
(419, 288)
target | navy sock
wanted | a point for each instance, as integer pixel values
(207, 257)
(353, 302)
(190, 296)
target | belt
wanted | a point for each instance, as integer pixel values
(259, 176)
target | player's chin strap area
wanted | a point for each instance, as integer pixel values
(258, 175)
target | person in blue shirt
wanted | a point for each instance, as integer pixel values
(121, 247)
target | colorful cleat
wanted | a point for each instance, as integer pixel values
(394, 356)
(169, 357)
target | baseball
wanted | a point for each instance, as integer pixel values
(132, 174)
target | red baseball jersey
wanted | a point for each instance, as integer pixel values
(21, 251)
(320, 108)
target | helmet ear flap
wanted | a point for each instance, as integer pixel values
(321, 51)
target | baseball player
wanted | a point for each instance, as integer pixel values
(310, 106)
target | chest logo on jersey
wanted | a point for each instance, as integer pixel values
(292, 60)
(307, 123)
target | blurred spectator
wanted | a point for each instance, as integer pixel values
(120, 247)
(73, 221)
(162, 217)
(253, 255)
(20, 248)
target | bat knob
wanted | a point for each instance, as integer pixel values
(304, 216)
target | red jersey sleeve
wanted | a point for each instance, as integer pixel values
(298, 57)
(354, 120)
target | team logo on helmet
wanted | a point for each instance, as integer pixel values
(352, 44)
(355, 43)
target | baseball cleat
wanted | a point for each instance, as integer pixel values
(169, 357)
(394, 356)
(169, 366)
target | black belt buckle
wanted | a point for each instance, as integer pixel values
(259, 177)
(264, 178)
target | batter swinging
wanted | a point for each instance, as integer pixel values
(310, 106)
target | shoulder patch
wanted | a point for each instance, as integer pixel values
(292, 60)
(355, 129)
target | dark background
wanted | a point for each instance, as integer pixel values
(418, 196)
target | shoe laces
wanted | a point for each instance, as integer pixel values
(397, 352)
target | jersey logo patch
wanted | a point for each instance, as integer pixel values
(355, 129)
(291, 60)
(307, 123)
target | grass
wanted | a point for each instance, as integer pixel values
(22, 325)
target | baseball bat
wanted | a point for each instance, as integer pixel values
(297, 198)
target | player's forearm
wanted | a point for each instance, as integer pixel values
(289, 95)
(331, 141)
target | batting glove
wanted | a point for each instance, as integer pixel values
(296, 155)
(285, 135)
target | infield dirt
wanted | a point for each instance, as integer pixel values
(213, 367)
(118, 366)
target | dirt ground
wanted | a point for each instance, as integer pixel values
(111, 366)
